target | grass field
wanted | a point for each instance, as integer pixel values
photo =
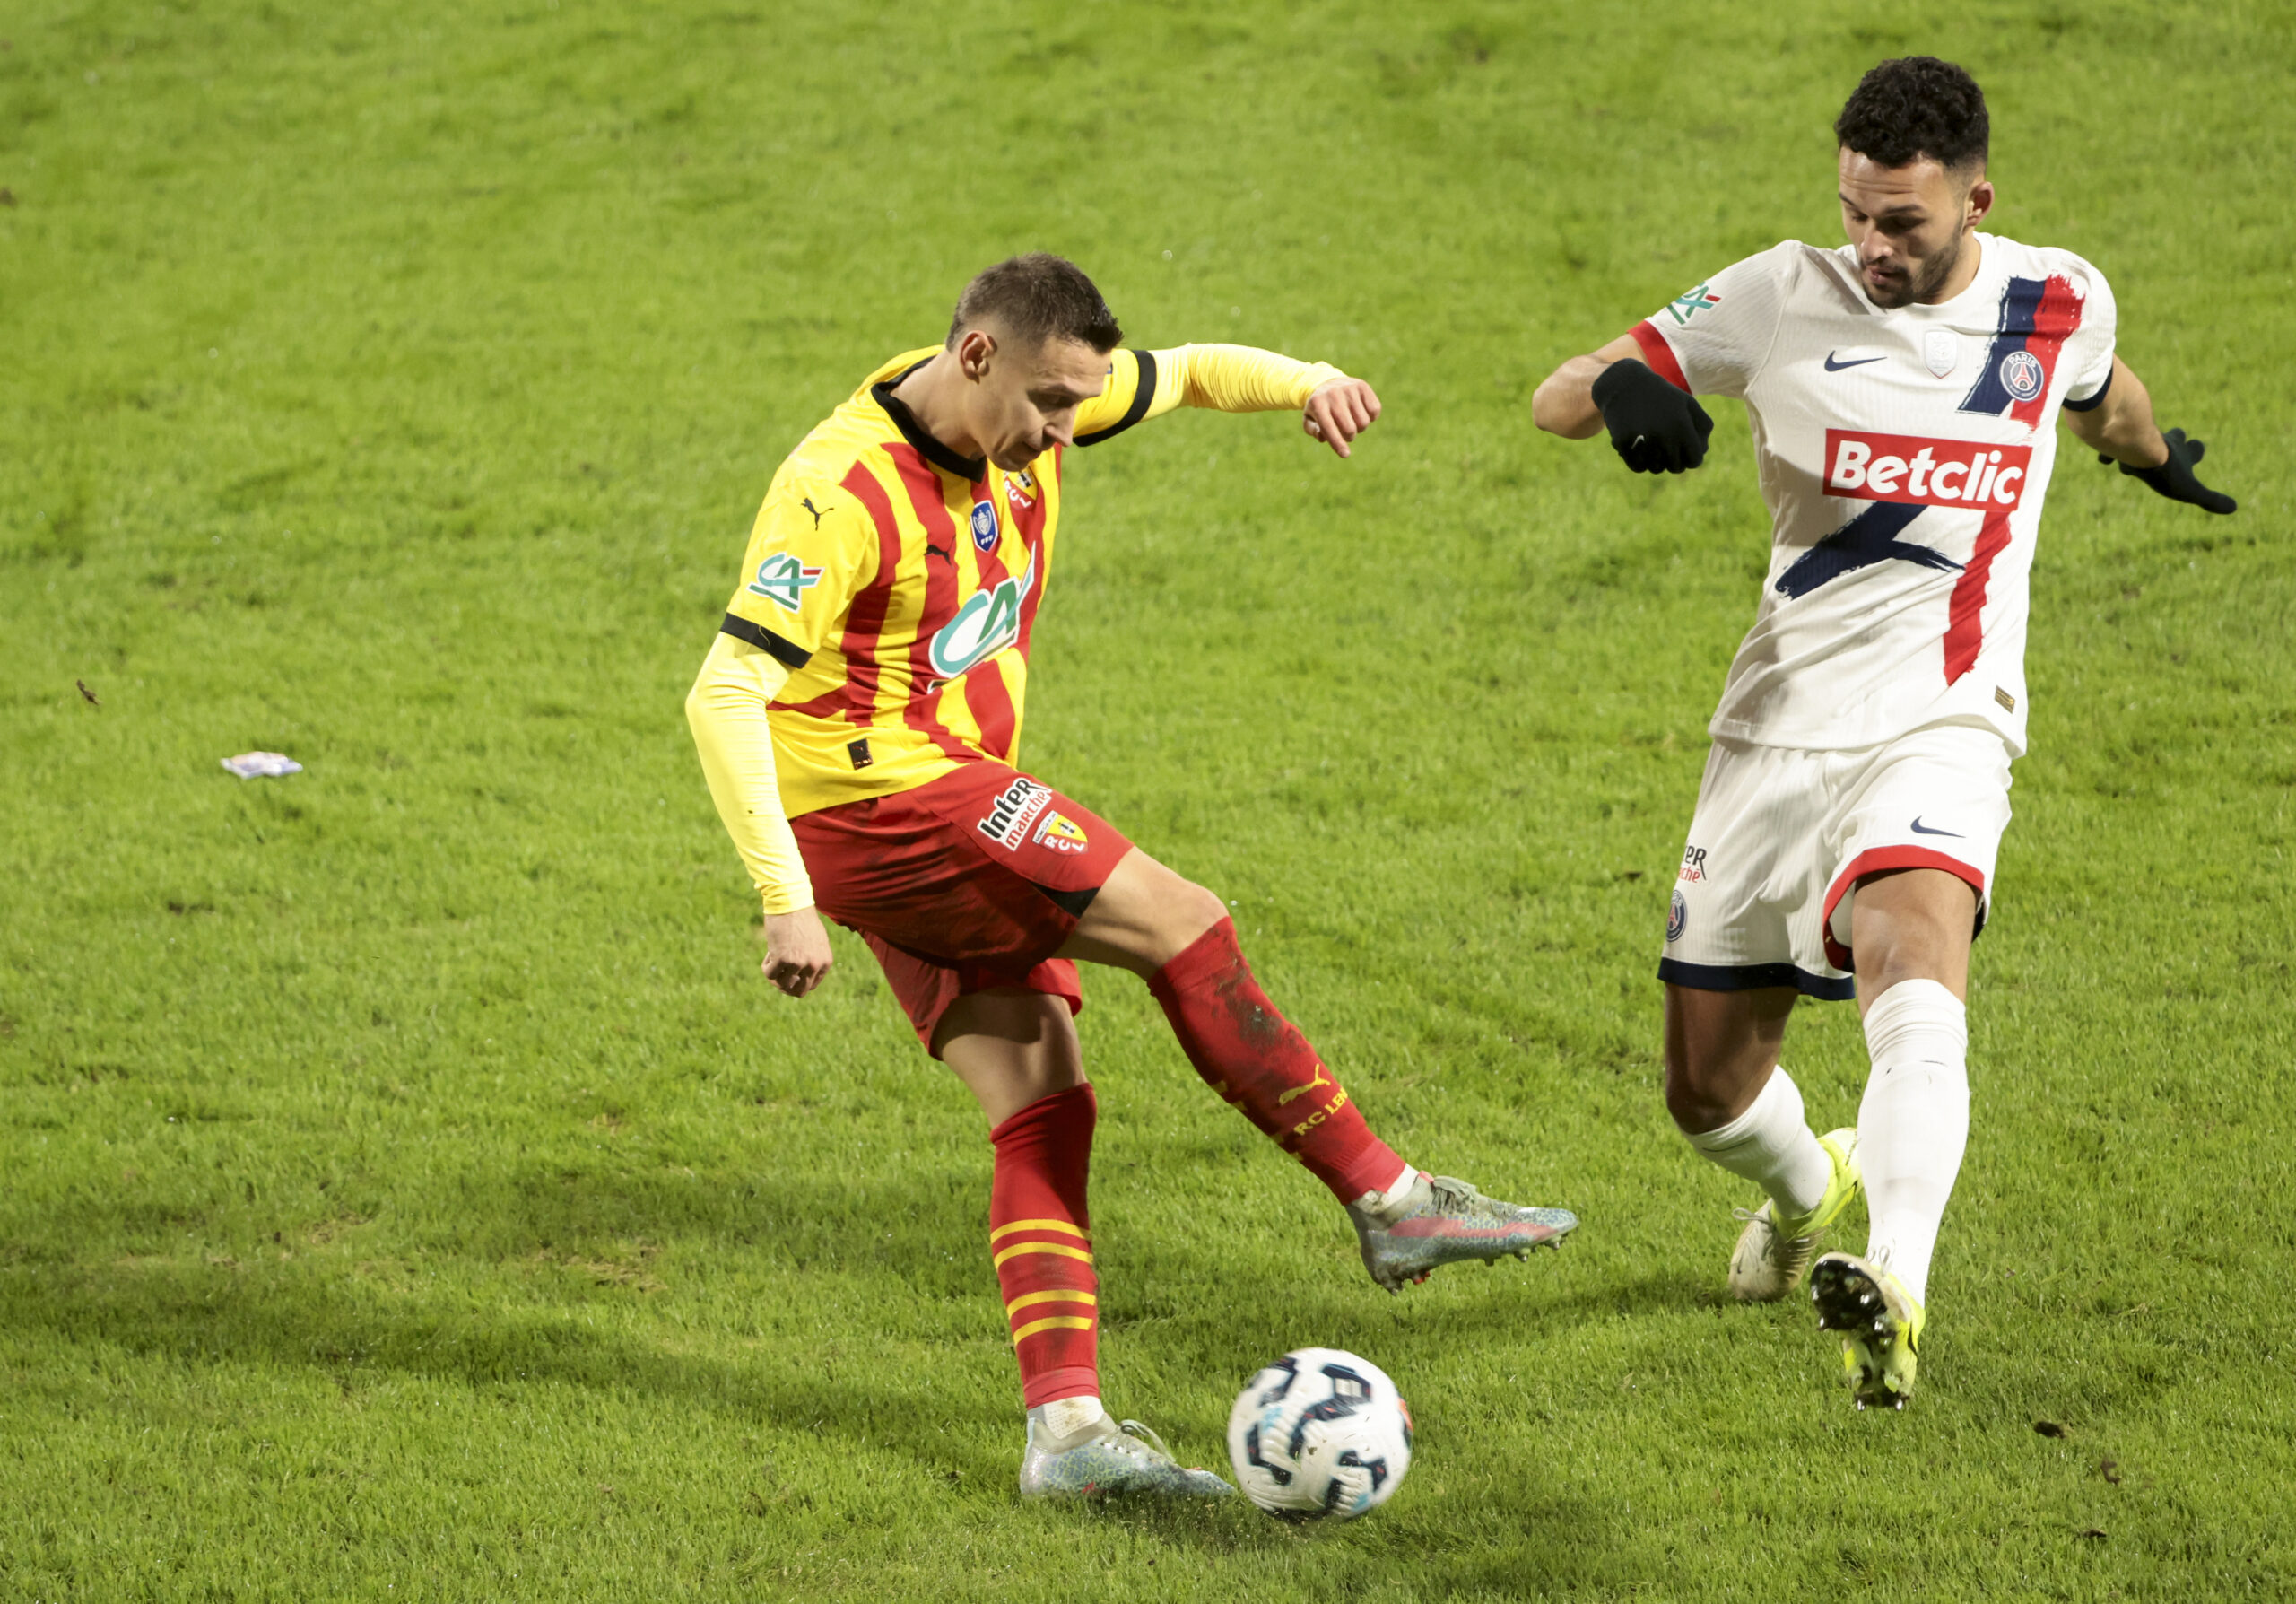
(409, 1191)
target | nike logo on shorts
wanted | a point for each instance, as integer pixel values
(1856, 362)
(1921, 829)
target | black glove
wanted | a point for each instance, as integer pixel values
(2173, 478)
(1655, 428)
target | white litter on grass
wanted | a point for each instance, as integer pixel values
(262, 765)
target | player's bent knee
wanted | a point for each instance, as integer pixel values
(1194, 910)
(1694, 1107)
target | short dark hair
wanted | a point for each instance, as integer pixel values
(1038, 297)
(1913, 107)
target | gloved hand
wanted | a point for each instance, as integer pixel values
(2173, 478)
(1655, 428)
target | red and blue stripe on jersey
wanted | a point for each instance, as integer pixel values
(2036, 315)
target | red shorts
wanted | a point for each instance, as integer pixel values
(970, 882)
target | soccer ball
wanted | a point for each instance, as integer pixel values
(1320, 1433)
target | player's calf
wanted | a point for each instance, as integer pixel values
(1254, 1057)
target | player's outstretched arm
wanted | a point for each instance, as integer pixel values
(726, 711)
(1654, 427)
(1564, 403)
(1334, 407)
(2121, 430)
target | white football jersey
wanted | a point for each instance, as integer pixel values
(1903, 455)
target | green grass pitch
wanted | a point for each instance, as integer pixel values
(408, 1189)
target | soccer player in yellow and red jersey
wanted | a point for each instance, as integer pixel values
(859, 717)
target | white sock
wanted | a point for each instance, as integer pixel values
(1913, 1123)
(1400, 1184)
(1773, 1146)
(1066, 1416)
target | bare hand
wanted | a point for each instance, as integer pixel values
(1339, 410)
(797, 956)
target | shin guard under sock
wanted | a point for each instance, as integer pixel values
(1914, 1123)
(1039, 1236)
(1252, 1056)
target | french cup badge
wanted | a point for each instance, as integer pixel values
(1941, 349)
(984, 526)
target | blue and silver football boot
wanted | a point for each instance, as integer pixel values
(1108, 1460)
(1440, 1220)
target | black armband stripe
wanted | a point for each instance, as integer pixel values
(766, 640)
(1144, 394)
(2095, 401)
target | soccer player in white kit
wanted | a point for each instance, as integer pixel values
(1901, 391)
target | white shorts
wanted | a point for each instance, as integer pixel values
(1782, 835)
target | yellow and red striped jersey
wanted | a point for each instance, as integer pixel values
(899, 582)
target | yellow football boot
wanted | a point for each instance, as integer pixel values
(1773, 1254)
(1879, 1325)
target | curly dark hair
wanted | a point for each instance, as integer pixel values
(1913, 107)
(1038, 297)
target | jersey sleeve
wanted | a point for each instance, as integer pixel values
(726, 712)
(1712, 340)
(1148, 384)
(1129, 399)
(2089, 349)
(812, 547)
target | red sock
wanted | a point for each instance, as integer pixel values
(1039, 1233)
(1252, 1056)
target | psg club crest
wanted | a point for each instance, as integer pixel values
(2021, 375)
(1677, 918)
(984, 526)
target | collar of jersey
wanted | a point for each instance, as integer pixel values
(971, 469)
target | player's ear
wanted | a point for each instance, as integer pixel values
(976, 349)
(1978, 204)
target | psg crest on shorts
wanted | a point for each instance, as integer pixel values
(984, 526)
(2021, 375)
(1677, 917)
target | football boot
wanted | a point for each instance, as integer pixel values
(1879, 1325)
(1108, 1460)
(1772, 1253)
(1438, 1220)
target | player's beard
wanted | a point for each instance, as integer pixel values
(1920, 283)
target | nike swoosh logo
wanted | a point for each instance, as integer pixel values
(1856, 362)
(1921, 829)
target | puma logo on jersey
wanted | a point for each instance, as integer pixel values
(1304, 1091)
(934, 551)
(818, 512)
